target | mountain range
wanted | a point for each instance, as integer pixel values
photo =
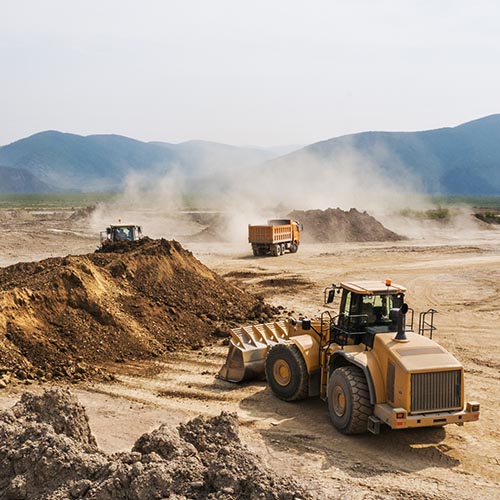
(104, 162)
(462, 160)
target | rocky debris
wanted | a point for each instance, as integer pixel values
(63, 317)
(334, 225)
(47, 452)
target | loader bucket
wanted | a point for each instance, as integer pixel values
(238, 367)
(248, 349)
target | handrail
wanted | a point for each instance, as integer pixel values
(424, 325)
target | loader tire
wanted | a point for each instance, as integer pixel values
(349, 400)
(286, 372)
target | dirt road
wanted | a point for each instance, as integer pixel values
(461, 279)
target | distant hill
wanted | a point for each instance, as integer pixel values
(103, 162)
(463, 160)
(18, 180)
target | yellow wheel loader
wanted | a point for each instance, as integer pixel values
(120, 232)
(366, 362)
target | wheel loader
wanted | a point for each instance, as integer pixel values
(366, 362)
(120, 232)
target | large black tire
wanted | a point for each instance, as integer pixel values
(294, 247)
(286, 372)
(255, 251)
(349, 400)
(277, 251)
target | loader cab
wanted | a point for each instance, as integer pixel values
(121, 232)
(366, 308)
(365, 311)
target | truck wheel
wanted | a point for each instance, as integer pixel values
(349, 400)
(282, 249)
(255, 251)
(277, 250)
(293, 248)
(286, 372)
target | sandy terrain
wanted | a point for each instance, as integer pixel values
(457, 275)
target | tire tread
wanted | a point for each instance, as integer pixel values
(361, 407)
(299, 371)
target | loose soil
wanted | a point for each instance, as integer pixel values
(47, 451)
(334, 225)
(61, 317)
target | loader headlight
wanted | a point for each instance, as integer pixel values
(473, 406)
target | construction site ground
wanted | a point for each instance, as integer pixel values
(458, 276)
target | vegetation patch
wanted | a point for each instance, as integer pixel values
(488, 217)
(439, 213)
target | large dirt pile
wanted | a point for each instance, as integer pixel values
(334, 225)
(60, 317)
(47, 452)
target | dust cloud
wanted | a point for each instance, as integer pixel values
(171, 205)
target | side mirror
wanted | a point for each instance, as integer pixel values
(331, 296)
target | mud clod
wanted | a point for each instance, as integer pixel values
(48, 452)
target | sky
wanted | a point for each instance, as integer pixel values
(272, 72)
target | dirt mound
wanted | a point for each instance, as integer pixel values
(48, 453)
(60, 317)
(216, 230)
(335, 225)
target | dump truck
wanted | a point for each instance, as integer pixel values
(366, 362)
(120, 232)
(275, 238)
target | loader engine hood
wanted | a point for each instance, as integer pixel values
(418, 354)
(420, 375)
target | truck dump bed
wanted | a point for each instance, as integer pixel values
(269, 234)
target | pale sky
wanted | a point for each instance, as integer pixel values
(245, 72)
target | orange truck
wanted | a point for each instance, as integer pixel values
(275, 238)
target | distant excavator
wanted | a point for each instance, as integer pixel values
(120, 232)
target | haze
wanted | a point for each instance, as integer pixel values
(266, 73)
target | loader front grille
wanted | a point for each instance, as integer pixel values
(436, 391)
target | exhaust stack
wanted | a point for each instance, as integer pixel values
(401, 324)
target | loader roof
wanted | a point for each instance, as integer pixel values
(372, 287)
